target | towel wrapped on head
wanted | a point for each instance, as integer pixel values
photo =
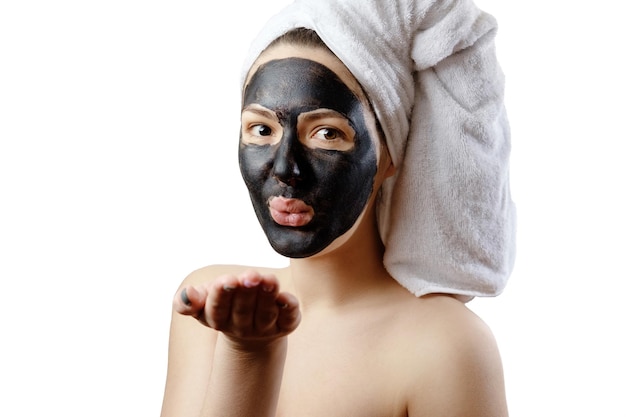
(430, 72)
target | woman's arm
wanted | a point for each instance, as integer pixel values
(245, 381)
(238, 371)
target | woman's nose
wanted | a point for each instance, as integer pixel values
(287, 160)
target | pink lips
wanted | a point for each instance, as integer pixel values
(290, 211)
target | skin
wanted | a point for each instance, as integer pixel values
(332, 334)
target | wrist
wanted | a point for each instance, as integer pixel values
(253, 347)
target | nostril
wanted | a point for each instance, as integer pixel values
(287, 173)
(286, 168)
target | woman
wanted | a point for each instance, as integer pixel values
(337, 333)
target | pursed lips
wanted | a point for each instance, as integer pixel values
(290, 212)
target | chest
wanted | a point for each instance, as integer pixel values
(352, 373)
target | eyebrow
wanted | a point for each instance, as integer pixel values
(261, 111)
(322, 114)
(308, 116)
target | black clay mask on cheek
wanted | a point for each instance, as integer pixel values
(305, 197)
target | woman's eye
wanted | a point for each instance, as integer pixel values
(261, 130)
(327, 134)
(326, 129)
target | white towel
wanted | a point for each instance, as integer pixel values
(429, 68)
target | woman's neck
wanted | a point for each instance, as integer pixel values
(342, 275)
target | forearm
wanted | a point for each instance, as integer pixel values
(245, 382)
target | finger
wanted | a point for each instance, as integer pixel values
(288, 314)
(266, 308)
(189, 301)
(219, 303)
(244, 303)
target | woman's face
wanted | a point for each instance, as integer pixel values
(307, 153)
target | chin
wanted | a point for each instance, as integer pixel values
(296, 247)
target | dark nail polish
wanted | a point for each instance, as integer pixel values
(184, 297)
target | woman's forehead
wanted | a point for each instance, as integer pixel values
(316, 54)
(298, 83)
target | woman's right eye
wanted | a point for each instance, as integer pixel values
(259, 126)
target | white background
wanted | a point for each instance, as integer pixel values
(118, 176)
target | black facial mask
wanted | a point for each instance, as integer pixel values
(334, 184)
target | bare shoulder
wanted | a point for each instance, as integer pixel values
(458, 361)
(211, 272)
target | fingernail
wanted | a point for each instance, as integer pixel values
(268, 288)
(184, 297)
(249, 284)
(282, 305)
(228, 288)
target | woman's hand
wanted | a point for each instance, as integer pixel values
(248, 309)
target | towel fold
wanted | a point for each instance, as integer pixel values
(430, 71)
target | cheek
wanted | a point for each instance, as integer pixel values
(344, 179)
(359, 172)
(253, 163)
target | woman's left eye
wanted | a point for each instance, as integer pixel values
(327, 134)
